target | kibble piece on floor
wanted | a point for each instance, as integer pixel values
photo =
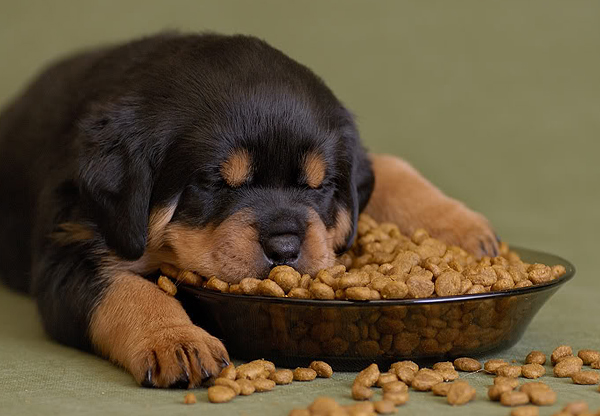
(220, 394)
(525, 411)
(514, 398)
(304, 374)
(385, 407)
(398, 398)
(410, 364)
(513, 382)
(542, 397)
(576, 408)
(251, 371)
(425, 379)
(262, 384)
(189, 398)
(509, 371)
(589, 356)
(533, 370)
(362, 408)
(441, 389)
(229, 372)
(361, 392)
(228, 383)
(586, 377)
(535, 357)
(533, 385)
(385, 378)
(284, 376)
(595, 365)
(495, 391)
(560, 352)
(467, 364)
(322, 369)
(395, 386)
(406, 374)
(567, 366)
(460, 393)
(246, 387)
(323, 406)
(446, 370)
(492, 365)
(369, 376)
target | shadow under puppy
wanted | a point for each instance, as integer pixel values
(218, 154)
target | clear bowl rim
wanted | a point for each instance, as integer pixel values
(207, 293)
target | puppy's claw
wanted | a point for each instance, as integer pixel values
(224, 362)
(147, 382)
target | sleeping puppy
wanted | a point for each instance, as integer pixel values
(218, 154)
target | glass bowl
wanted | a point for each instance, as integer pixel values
(351, 334)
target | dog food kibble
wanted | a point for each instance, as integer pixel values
(589, 356)
(262, 385)
(384, 264)
(323, 406)
(525, 411)
(385, 407)
(560, 352)
(542, 397)
(595, 365)
(322, 369)
(369, 376)
(167, 285)
(441, 389)
(514, 398)
(446, 370)
(509, 371)
(467, 364)
(228, 372)
(460, 393)
(576, 408)
(251, 371)
(304, 374)
(228, 383)
(533, 370)
(246, 387)
(385, 378)
(511, 381)
(495, 391)
(398, 398)
(535, 357)
(220, 394)
(282, 376)
(567, 366)
(189, 398)
(491, 366)
(361, 392)
(395, 387)
(586, 377)
(425, 379)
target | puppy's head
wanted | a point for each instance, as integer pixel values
(255, 165)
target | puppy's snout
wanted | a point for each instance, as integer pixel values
(283, 249)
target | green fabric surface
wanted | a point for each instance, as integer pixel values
(498, 103)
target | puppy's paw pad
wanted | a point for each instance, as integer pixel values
(180, 357)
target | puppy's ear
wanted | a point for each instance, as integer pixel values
(115, 178)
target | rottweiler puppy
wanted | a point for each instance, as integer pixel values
(218, 154)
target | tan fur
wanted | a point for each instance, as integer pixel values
(343, 226)
(401, 195)
(230, 251)
(318, 246)
(139, 327)
(237, 168)
(314, 169)
(72, 232)
(159, 218)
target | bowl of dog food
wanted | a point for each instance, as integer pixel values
(390, 298)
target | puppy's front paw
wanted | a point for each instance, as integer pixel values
(458, 225)
(179, 357)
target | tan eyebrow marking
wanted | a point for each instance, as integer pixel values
(314, 169)
(237, 168)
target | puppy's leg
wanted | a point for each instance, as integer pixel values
(401, 195)
(124, 317)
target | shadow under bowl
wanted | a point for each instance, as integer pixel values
(352, 334)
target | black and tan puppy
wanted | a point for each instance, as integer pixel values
(218, 154)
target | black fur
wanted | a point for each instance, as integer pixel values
(102, 137)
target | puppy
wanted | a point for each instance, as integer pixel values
(218, 154)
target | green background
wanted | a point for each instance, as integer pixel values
(497, 102)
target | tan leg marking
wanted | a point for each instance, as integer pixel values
(142, 329)
(401, 195)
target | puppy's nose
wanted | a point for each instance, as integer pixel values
(282, 249)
